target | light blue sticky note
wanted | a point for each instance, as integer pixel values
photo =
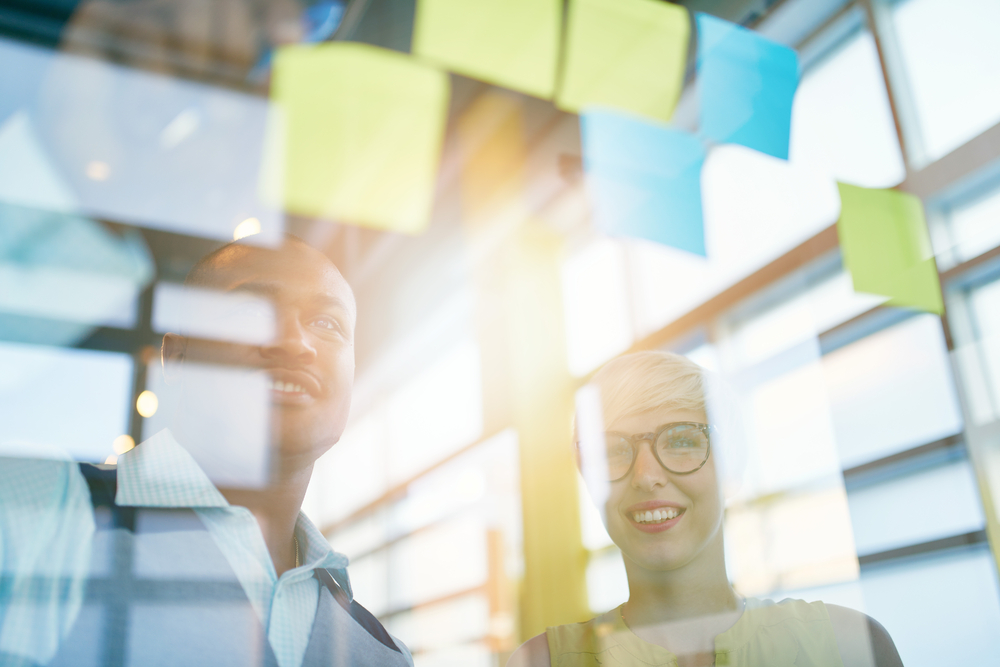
(644, 179)
(746, 84)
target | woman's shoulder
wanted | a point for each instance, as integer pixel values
(532, 653)
(859, 638)
(575, 638)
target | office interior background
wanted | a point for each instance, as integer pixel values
(131, 143)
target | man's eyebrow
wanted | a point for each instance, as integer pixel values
(267, 289)
(334, 301)
(272, 290)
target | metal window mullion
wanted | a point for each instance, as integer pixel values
(897, 86)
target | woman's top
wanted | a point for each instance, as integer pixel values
(791, 632)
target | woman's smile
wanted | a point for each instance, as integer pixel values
(654, 516)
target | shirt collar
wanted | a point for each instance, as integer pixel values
(319, 553)
(161, 473)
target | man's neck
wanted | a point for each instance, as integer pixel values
(276, 508)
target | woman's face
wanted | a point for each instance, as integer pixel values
(670, 544)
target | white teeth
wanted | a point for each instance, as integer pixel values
(656, 516)
(287, 387)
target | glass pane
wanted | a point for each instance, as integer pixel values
(905, 511)
(436, 626)
(842, 124)
(126, 144)
(984, 353)
(441, 560)
(607, 585)
(790, 541)
(63, 402)
(435, 413)
(595, 299)
(955, 594)
(975, 226)
(334, 493)
(952, 61)
(743, 192)
(891, 391)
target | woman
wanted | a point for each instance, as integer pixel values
(664, 510)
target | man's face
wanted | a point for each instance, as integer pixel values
(310, 360)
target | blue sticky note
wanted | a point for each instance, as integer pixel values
(644, 179)
(746, 85)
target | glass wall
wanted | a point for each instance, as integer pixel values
(302, 303)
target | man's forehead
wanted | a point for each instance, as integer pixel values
(294, 270)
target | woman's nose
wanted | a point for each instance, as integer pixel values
(647, 473)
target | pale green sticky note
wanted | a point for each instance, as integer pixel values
(886, 247)
(625, 54)
(510, 43)
(361, 131)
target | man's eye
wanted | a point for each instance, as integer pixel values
(327, 323)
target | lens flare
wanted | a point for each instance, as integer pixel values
(146, 404)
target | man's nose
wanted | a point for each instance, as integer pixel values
(647, 474)
(291, 344)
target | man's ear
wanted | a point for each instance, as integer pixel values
(172, 354)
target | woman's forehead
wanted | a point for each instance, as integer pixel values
(646, 422)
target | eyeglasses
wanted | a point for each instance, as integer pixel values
(680, 447)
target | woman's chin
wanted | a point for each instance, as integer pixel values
(658, 558)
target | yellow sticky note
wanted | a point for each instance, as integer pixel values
(886, 247)
(360, 134)
(625, 54)
(510, 43)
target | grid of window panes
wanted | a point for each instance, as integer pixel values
(866, 483)
(889, 513)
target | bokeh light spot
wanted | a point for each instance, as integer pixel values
(97, 170)
(147, 403)
(248, 227)
(122, 444)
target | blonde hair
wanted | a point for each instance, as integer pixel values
(643, 381)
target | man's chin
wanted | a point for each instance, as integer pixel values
(295, 443)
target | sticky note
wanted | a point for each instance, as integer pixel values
(361, 131)
(746, 84)
(644, 179)
(509, 43)
(886, 247)
(624, 54)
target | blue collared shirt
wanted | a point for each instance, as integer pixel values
(157, 473)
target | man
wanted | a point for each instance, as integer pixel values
(184, 572)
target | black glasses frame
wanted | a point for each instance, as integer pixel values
(651, 438)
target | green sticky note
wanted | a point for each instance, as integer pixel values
(624, 54)
(886, 247)
(510, 43)
(360, 131)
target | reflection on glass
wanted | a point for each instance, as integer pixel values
(842, 125)
(951, 58)
(104, 140)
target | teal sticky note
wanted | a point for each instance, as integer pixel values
(644, 179)
(746, 84)
(886, 247)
